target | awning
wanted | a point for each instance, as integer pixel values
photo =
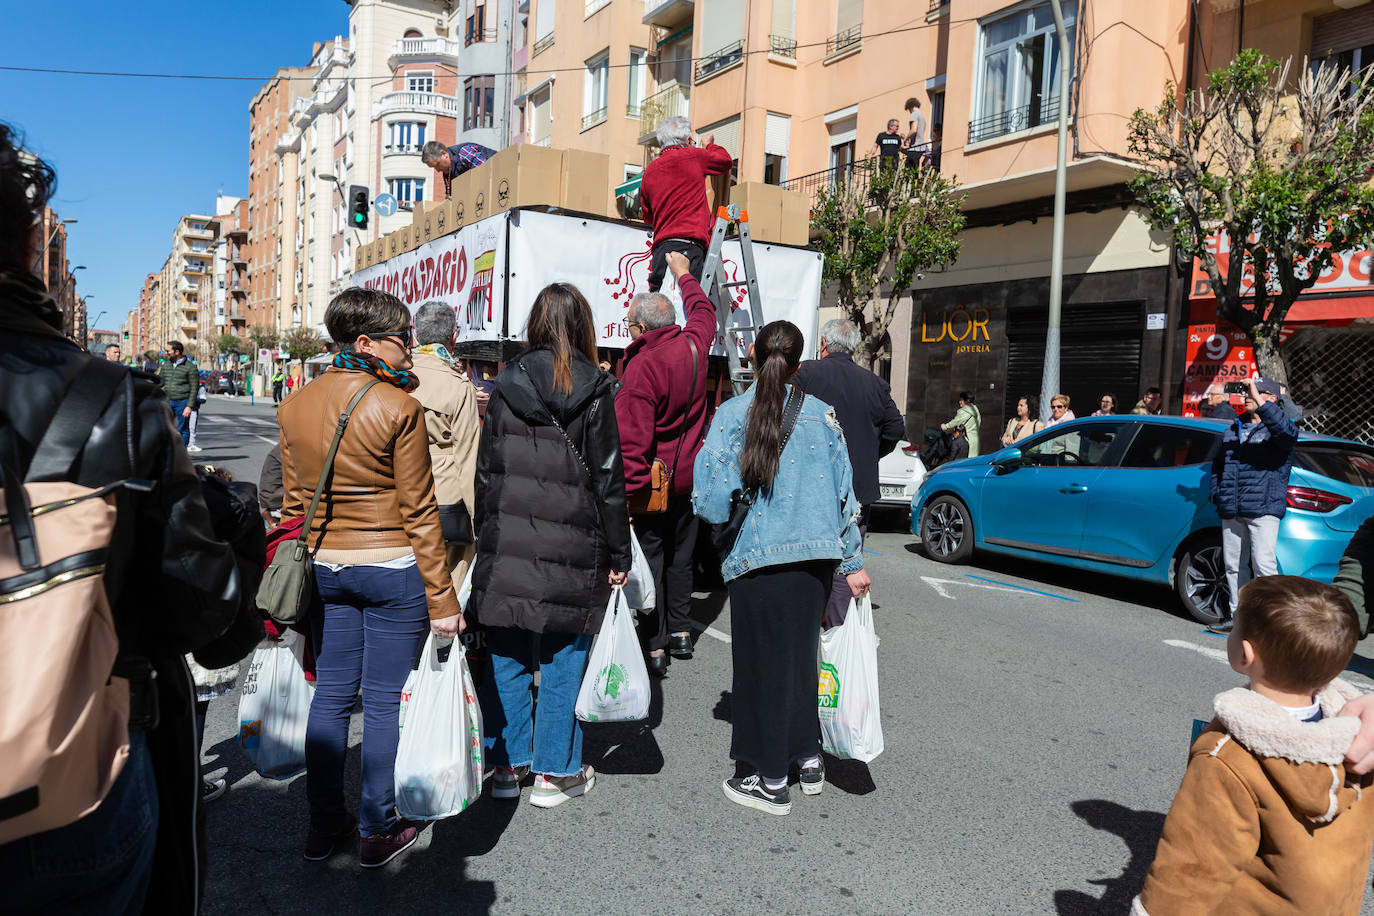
(627, 187)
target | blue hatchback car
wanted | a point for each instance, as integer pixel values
(1129, 495)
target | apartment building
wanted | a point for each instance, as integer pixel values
(53, 267)
(269, 115)
(223, 291)
(178, 298)
(140, 323)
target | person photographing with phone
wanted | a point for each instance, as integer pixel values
(1250, 488)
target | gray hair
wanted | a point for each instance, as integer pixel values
(435, 323)
(840, 335)
(653, 310)
(431, 151)
(674, 131)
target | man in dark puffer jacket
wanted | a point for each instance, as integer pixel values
(1250, 487)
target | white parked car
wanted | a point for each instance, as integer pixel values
(900, 474)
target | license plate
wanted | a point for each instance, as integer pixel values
(892, 491)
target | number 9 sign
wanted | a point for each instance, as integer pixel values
(1216, 347)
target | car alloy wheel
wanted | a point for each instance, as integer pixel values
(945, 530)
(1201, 584)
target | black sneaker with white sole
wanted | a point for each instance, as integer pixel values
(812, 779)
(751, 793)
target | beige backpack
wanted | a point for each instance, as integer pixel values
(64, 733)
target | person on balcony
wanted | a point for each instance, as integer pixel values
(673, 196)
(452, 161)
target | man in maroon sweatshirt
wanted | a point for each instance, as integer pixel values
(673, 195)
(661, 411)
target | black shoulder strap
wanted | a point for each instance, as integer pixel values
(790, 412)
(66, 435)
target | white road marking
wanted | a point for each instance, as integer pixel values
(1357, 680)
(712, 632)
(267, 440)
(939, 586)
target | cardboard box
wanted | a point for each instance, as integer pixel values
(523, 176)
(440, 220)
(585, 185)
(763, 203)
(360, 257)
(392, 245)
(472, 195)
(796, 218)
(417, 213)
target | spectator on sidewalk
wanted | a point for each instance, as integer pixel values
(181, 381)
(1291, 410)
(1355, 574)
(1026, 423)
(1106, 405)
(967, 417)
(112, 353)
(270, 486)
(673, 196)
(450, 404)
(1059, 410)
(1150, 403)
(194, 420)
(278, 379)
(869, 418)
(661, 411)
(1218, 405)
(1250, 488)
(452, 161)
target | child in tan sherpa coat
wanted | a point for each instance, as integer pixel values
(1267, 820)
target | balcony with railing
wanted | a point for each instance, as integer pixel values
(592, 6)
(402, 149)
(423, 102)
(339, 57)
(720, 60)
(413, 50)
(542, 141)
(846, 42)
(782, 46)
(543, 44)
(594, 118)
(670, 101)
(1014, 120)
(923, 155)
(938, 6)
(667, 14)
(479, 36)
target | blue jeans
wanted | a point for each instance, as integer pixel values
(98, 865)
(554, 745)
(370, 632)
(183, 423)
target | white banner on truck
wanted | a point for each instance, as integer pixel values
(463, 269)
(608, 261)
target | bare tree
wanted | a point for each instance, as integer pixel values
(1281, 175)
(879, 227)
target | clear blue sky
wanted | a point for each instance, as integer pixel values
(133, 155)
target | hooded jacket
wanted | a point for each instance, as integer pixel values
(551, 524)
(1250, 470)
(1267, 820)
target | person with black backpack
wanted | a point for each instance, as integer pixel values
(152, 583)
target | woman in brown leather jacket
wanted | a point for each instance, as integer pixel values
(379, 564)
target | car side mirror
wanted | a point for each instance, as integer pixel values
(1007, 459)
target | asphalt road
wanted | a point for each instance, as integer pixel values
(1036, 724)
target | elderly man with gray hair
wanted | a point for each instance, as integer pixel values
(869, 417)
(673, 195)
(450, 405)
(661, 411)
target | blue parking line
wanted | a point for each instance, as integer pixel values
(872, 553)
(1217, 635)
(1033, 591)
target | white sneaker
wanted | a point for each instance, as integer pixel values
(550, 792)
(194, 448)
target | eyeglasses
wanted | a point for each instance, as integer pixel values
(1058, 406)
(405, 338)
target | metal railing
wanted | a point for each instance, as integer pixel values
(1013, 120)
(925, 155)
(542, 141)
(418, 101)
(595, 118)
(670, 101)
(543, 44)
(402, 149)
(479, 36)
(719, 60)
(635, 112)
(593, 5)
(845, 41)
(782, 45)
(937, 5)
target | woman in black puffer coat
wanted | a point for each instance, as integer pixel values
(553, 537)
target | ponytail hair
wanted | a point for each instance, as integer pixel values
(777, 353)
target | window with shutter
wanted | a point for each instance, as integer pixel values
(782, 36)
(727, 134)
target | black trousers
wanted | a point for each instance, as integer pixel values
(658, 265)
(775, 635)
(668, 540)
(837, 608)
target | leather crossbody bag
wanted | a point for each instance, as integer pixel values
(653, 499)
(741, 501)
(288, 585)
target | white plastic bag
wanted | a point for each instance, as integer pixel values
(439, 758)
(274, 706)
(639, 588)
(616, 685)
(847, 698)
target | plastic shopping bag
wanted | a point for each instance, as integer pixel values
(639, 588)
(847, 699)
(616, 685)
(274, 706)
(439, 758)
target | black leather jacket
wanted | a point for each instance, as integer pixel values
(173, 586)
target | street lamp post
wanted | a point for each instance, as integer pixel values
(1049, 384)
(38, 258)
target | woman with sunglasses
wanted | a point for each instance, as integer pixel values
(380, 564)
(1059, 410)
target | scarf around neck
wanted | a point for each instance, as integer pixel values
(438, 350)
(401, 378)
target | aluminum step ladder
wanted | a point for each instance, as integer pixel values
(719, 288)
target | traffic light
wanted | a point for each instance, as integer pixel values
(358, 197)
(126, 335)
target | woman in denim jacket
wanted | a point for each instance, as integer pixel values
(803, 522)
